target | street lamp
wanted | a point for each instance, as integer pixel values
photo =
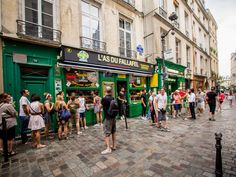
(172, 17)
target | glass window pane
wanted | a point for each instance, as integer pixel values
(85, 7)
(31, 16)
(94, 11)
(122, 38)
(85, 32)
(127, 26)
(31, 4)
(95, 24)
(47, 20)
(85, 21)
(121, 22)
(47, 7)
(95, 34)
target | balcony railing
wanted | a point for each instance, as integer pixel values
(127, 52)
(93, 44)
(38, 31)
(162, 12)
(130, 2)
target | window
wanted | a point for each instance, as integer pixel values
(163, 4)
(125, 38)
(178, 50)
(186, 24)
(166, 45)
(39, 18)
(188, 56)
(177, 13)
(90, 25)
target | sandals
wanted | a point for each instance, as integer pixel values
(40, 146)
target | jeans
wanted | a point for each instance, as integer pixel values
(143, 111)
(24, 127)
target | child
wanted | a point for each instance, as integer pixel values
(81, 110)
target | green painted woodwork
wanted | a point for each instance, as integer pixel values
(37, 57)
(134, 109)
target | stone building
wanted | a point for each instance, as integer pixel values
(233, 69)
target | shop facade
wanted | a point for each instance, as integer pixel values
(175, 76)
(200, 81)
(32, 67)
(88, 71)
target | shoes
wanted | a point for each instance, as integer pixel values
(106, 151)
(41, 146)
(12, 153)
(122, 118)
(113, 148)
(85, 127)
(79, 133)
(96, 125)
(166, 130)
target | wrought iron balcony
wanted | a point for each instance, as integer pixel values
(38, 31)
(130, 2)
(93, 44)
(162, 12)
(127, 52)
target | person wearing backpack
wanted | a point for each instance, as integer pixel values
(111, 110)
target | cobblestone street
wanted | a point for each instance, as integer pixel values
(188, 150)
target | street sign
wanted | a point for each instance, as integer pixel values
(139, 49)
(168, 54)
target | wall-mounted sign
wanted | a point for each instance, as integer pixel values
(58, 86)
(105, 61)
(168, 54)
(139, 49)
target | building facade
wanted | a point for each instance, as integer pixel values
(213, 49)
(233, 69)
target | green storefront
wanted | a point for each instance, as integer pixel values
(88, 71)
(175, 76)
(32, 67)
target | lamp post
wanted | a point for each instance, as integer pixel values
(172, 17)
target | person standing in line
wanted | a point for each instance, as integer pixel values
(192, 101)
(144, 104)
(97, 108)
(122, 103)
(109, 122)
(36, 122)
(8, 111)
(221, 99)
(177, 104)
(81, 110)
(211, 99)
(73, 105)
(160, 104)
(62, 123)
(200, 101)
(24, 114)
(151, 101)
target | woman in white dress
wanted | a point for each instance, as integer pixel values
(36, 122)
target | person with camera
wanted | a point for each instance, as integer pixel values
(160, 104)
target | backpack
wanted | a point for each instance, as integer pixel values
(113, 109)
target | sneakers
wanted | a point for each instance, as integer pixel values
(85, 127)
(106, 151)
(96, 125)
(122, 118)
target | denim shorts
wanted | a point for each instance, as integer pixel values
(82, 115)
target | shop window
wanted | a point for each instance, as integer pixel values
(82, 79)
(137, 82)
(135, 95)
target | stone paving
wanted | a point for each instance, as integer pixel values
(142, 150)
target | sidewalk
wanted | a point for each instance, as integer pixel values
(187, 151)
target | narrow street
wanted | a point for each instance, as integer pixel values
(188, 150)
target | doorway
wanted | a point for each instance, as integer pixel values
(121, 84)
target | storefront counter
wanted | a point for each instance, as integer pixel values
(134, 109)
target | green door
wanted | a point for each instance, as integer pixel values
(35, 86)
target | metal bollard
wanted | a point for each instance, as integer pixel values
(218, 169)
(5, 145)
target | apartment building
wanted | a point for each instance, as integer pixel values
(233, 69)
(213, 49)
(189, 44)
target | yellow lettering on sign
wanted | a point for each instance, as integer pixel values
(122, 76)
(144, 67)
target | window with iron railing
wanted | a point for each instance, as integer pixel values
(38, 20)
(92, 44)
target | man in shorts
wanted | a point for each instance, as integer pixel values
(200, 101)
(160, 104)
(109, 122)
(211, 99)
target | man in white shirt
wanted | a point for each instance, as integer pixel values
(24, 115)
(160, 105)
(191, 100)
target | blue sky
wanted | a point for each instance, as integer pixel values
(224, 12)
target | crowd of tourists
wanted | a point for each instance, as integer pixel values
(37, 116)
